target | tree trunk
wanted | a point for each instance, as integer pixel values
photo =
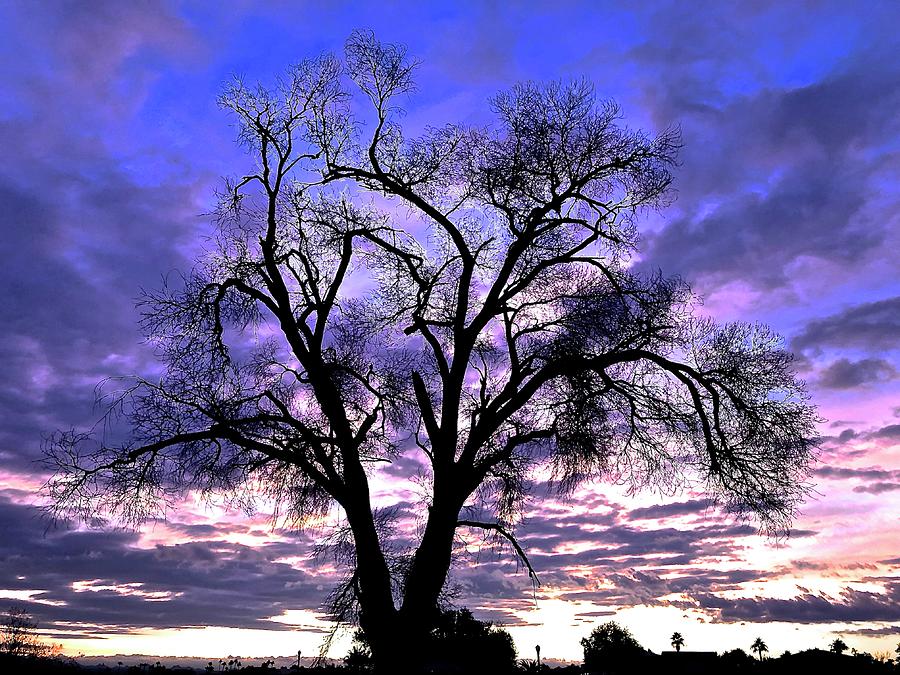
(403, 650)
(378, 616)
(399, 639)
(431, 563)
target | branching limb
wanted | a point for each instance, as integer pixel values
(503, 532)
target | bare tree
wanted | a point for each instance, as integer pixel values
(466, 295)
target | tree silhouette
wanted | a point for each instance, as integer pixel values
(759, 647)
(610, 647)
(677, 641)
(468, 291)
(19, 636)
(838, 646)
(735, 659)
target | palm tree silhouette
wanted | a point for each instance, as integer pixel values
(677, 641)
(759, 647)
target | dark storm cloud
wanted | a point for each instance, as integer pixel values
(878, 480)
(688, 508)
(775, 175)
(73, 273)
(869, 326)
(890, 432)
(839, 472)
(754, 237)
(877, 488)
(649, 588)
(229, 584)
(877, 632)
(83, 230)
(851, 605)
(847, 374)
(627, 546)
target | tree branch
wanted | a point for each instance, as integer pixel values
(503, 532)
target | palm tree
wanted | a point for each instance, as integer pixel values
(677, 641)
(838, 646)
(759, 647)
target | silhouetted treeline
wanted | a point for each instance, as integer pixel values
(815, 661)
(461, 643)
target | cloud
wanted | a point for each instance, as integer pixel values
(839, 472)
(877, 488)
(103, 580)
(67, 66)
(847, 374)
(868, 325)
(852, 605)
(74, 267)
(754, 237)
(686, 508)
(649, 588)
(877, 632)
(881, 480)
(775, 177)
(86, 222)
(890, 432)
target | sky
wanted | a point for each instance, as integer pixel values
(787, 213)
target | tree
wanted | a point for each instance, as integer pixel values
(677, 641)
(461, 643)
(478, 304)
(610, 647)
(838, 646)
(759, 647)
(19, 637)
